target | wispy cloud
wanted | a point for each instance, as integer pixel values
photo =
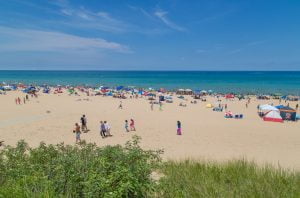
(35, 40)
(162, 15)
(82, 17)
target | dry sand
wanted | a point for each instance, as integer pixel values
(206, 134)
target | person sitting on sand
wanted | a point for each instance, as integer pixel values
(126, 125)
(107, 128)
(77, 132)
(120, 105)
(132, 127)
(178, 127)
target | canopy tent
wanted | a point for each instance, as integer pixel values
(273, 116)
(267, 107)
(229, 96)
(287, 113)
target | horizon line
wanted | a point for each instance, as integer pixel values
(133, 70)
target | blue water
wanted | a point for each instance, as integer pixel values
(254, 82)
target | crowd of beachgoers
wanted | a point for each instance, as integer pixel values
(268, 112)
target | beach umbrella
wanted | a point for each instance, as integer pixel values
(119, 88)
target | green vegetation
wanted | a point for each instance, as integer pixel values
(232, 179)
(77, 171)
(86, 170)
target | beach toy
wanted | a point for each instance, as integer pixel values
(209, 106)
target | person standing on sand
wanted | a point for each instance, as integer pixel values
(178, 127)
(77, 132)
(19, 100)
(102, 129)
(297, 106)
(132, 127)
(126, 125)
(225, 107)
(107, 128)
(151, 106)
(24, 100)
(83, 123)
(160, 106)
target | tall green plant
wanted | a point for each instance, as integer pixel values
(83, 170)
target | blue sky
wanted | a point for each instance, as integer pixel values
(150, 34)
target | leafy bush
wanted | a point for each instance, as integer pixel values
(83, 170)
(232, 179)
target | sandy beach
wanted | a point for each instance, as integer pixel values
(206, 134)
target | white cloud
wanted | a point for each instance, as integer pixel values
(84, 18)
(162, 15)
(36, 40)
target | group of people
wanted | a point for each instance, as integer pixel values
(104, 128)
(18, 100)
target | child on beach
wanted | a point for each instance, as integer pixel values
(126, 125)
(132, 127)
(178, 127)
(77, 132)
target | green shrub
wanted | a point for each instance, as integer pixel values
(83, 170)
(232, 179)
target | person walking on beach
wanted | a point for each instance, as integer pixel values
(151, 106)
(297, 106)
(120, 105)
(77, 132)
(126, 125)
(24, 100)
(102, 129)
(83, 123)
(160, 106)
(19, 100)
(178, 127)
(246, 104)
(107, 128)
(225, 107)
(132, 127)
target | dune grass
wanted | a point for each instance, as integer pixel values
(231, 179)
(87, 170)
